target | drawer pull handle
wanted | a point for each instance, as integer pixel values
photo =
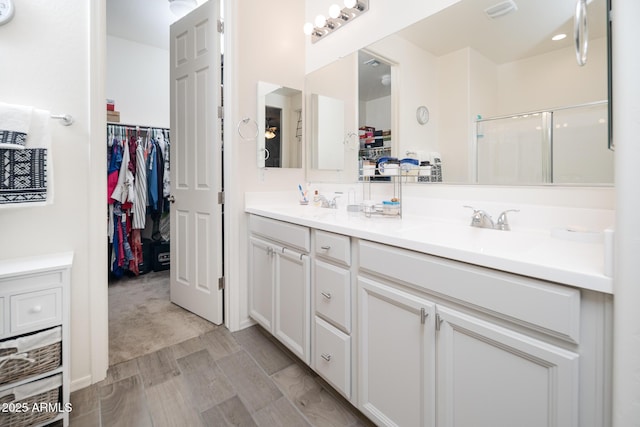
(327, 295)
(326, 357)
(36, 309)
(326, 248)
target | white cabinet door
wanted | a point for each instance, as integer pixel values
(261, 280)
(492, 376)
(293, 302)
(396, 356)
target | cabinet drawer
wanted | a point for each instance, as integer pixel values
(291, 235)
(552, 308)
(332, 292)
(334, 247)
(332, 356)
(36, 310)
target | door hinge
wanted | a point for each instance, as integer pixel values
(221, 197)
(220, 26)
(220, 112)
(221, 283)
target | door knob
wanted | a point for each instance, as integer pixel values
(172, 199)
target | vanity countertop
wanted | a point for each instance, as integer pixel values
(529, 253)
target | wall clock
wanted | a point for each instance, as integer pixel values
(422, 113)
(6, 11)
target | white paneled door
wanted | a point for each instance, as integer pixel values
(196, 163)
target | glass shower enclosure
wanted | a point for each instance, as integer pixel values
(562, 146)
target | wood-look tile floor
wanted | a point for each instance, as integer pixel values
(217, 379)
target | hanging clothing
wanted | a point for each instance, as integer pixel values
(140, 202)
(137, 184)
(124, 189)
(113, 170)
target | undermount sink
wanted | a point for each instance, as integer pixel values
(480, 240)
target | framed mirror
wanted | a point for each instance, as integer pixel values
(279, 118)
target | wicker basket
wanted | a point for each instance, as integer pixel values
(23, 403)
(30, 355)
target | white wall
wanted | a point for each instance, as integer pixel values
(378, 113)
(626, 132)
(254, 51)
(45, 52)
(138, 82)
(552, 80)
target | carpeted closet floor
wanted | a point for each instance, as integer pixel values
(143, 320)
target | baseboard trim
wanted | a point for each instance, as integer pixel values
(80, 383)
(246, 323)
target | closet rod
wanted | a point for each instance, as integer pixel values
(136, 126)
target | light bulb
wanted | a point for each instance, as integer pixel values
(334, 11)
(320, 21)
(308, 28)
(350, 3)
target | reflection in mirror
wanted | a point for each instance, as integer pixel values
(338, 81)
(327, 130)
(374, 108)
(280, 136)
(560, 146)
(462, 65)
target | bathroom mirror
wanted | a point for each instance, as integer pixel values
(280, 126)
(464, 65)
(332, 112)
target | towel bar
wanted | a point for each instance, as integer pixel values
(67, 119)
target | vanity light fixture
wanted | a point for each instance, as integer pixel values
(337, 18)
(270, 131)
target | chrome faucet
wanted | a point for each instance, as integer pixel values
(326, 203)
(502, 223)
(482, 219)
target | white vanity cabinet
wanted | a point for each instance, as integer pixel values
(397, 356)
(414, 339)
(280, 282)
(332, 309)
(433, 351)
(492, 376)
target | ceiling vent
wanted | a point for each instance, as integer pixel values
(501, 9)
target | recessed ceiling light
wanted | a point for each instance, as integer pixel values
(558, 37)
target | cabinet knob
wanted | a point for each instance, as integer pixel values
(326, 357)
(327, 295)
(36, 309)
(326, 248)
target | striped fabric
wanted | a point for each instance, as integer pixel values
(140, 185)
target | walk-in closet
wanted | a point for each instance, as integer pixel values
(142, 318)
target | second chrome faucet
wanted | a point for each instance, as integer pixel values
(482, 219)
